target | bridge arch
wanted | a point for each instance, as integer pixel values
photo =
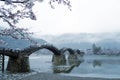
(33, 49)
(21, 62)
(79, 52)
(51, 48)
(71, 51)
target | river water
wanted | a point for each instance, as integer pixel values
(101, 66)
(91, 66)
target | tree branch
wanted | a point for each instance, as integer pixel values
(17, 1)
(9, 53)
(10, 24)
(1, 16)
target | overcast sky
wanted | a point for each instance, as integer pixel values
(89, 16)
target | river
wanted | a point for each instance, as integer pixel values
(101, 66)
(91, 66)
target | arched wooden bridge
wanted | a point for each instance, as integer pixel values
(19, 59)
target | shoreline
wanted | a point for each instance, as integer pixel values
(48, 76)
(51, 76)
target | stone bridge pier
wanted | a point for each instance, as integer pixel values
(59, 60)
(20, 64)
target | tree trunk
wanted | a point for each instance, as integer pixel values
(20, 64)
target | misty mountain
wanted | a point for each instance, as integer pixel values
(109, 43)
(75, 41)
(85, 40)
(18, 43)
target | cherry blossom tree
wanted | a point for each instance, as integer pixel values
(12, 11)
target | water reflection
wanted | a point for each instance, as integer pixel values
(92, 66)
(97, 63)
(67, 66)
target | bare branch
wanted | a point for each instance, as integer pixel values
(65, 2)
(25, 1)
(14, 10)
(10, 24)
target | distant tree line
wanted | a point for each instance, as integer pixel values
(96, 49)
(99, 51)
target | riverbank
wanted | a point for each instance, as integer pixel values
(50, 76)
